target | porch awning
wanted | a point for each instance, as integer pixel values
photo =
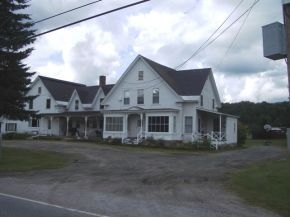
(73, 114)
(217, 113)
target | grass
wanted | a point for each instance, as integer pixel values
(263, 142)
(266, 185)
(21, 160)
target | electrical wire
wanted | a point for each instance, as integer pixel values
(89, 18)
(180, 65)
(236, 36)
(202, 48)
(56, 15)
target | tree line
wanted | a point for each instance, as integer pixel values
(255, 115)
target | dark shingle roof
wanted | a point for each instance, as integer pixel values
(62, 90)
(183, 82)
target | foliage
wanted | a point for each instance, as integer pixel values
(14, 135)
(18, 159)
(15, 38)
(50, 138)
(242, 134)
(256, 115)
(265, 185)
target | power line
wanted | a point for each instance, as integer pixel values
(236, 36)
(202, 48)
(56, 15)
(180, 65)
(89, 18)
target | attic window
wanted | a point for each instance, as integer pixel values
(140, 75)
(76, 105)
(39, 90)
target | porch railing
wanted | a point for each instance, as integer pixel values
(216, 138)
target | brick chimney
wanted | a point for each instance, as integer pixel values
(102, 81)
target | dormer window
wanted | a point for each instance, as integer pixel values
(140, 75)
(76, 105)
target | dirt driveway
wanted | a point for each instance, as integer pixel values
(115, 181)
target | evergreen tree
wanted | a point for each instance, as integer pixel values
(16, 36)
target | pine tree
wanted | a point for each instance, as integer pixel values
(16, 37)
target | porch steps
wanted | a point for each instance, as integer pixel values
(131, 141)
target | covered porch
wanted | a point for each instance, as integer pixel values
(217, 127)
(85, 124)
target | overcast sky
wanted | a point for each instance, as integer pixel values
(168, 32)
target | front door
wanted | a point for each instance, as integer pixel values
(133, 128)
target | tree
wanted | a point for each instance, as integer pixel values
(16, 35)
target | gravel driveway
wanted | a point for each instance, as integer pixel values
(116, 181)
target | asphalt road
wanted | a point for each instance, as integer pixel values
(14, 206)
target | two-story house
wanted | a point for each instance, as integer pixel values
(63, 108)
(152, 100)
(149, 100)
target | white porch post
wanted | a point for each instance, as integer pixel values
(50, 125)
(125, 130)
(67, 121)
(141, 129)
(220, 128)
(86, 126)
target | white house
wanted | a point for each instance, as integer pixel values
(63, 108)
(152, 100)
(149, 100)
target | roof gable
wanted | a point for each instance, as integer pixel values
(184, 82)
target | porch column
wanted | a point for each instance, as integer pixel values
(86, 126)
(220, 127)
(67, 121)
(125, 130)
(50, 125)
(141, 129)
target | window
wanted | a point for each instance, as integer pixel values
(33, 122)
(30, 104)
(76, 105)
(201, 100)
(48, 101)
(11, 127)
(114, 124)
(213, 104)
(158, 124)
(140, 96)
(39, 90)
(188, 124)
(155, 99)
(140, 75)
(126, 97)
(101, 106)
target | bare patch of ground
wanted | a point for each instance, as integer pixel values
(114, 181)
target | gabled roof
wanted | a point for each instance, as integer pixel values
(183, 82)
(62, 90)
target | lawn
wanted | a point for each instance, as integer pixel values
(266, 185)
(19, 160)
(263, 142)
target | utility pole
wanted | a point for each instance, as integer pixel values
(286, 15)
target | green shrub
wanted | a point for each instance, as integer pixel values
(15, 135)
(242, 134)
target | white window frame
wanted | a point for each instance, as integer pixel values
(141, 75)
(158, 124)
(11, 127)
(114, 124)
(126, 99)
(155, 96)
(188, 124)
(140, 96)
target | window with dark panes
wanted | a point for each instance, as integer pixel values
(158, 124)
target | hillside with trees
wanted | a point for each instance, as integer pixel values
(256, 115)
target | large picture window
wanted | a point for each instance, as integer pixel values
(188, 124)
(158, 124)
(114, 124)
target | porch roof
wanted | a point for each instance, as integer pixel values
(73, 114)
(216, 112)
(137, 109)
